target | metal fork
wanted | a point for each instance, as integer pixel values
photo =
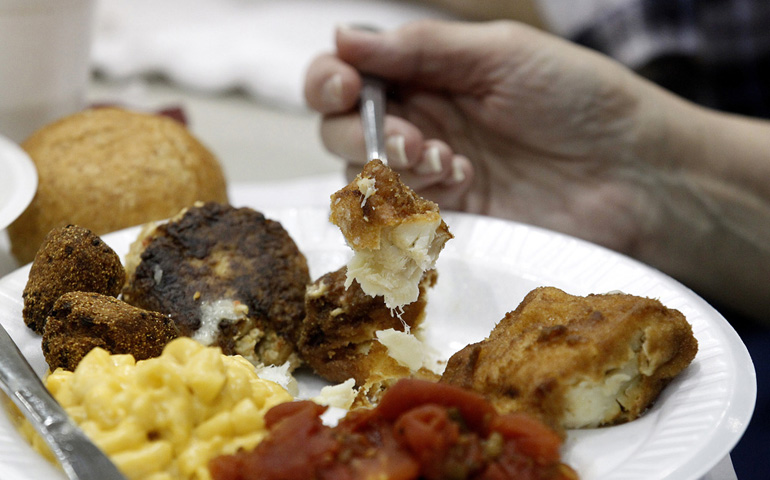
(372, 108)
(373, 116)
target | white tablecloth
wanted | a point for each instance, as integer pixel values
(260, 46)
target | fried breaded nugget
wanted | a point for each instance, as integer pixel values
(71, 258)
(338, 337)
(81, 321)
(577, 361)
(227, 277)
(395, 234)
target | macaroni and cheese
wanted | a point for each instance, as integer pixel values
(164, 418)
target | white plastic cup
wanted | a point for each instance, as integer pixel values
(45, 48)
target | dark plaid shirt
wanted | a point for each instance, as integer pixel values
(713, 52)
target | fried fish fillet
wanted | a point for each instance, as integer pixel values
(227, 277)
(577, 361)
(339, 335)
(395, 234)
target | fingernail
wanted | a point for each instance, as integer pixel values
(362, 28)
(431, 162)
(331, 92)
(458, 174)
(395, 146)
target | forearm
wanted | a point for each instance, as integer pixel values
(712, 205)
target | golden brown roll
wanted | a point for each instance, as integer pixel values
(106, 169)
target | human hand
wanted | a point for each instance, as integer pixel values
(500, 119)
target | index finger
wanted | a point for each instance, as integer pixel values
(331, 85)
(455, 56)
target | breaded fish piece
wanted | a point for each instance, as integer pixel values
(71, 258)
(81, 321)
(338, 337)
(395, 234)
(227, 276)
(577, 361)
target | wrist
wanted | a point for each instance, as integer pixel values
(708, 219)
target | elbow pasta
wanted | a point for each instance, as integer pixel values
(165, 418)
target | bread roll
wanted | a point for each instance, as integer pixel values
(106, 169)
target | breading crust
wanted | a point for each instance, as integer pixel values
(81, 321)
(71, 258)
(577, 361)
(338, 335)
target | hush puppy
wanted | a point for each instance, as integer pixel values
(81, 321)
(71, 258)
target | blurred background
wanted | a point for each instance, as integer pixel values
(235, 67)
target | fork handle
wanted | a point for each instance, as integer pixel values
(373, 117)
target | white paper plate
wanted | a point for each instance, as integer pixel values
(18, 181)
(484, 272)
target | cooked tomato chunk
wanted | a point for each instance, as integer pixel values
(420, 430)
